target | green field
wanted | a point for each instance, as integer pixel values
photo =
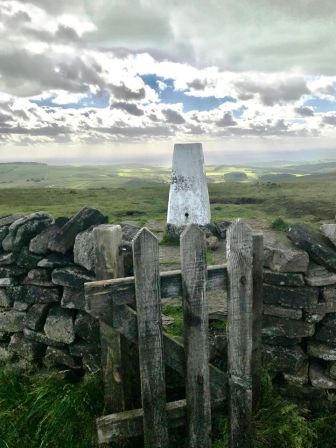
(305, 200)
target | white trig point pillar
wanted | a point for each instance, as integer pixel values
(188, 195)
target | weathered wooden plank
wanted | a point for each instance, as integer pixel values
(258, 263)
(196, 336)
(240, 326)
(109, 264)
(152, 373)
(125, 425)
(101, 295)
(126, 324)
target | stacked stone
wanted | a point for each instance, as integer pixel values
(44, 263)
(299, 324)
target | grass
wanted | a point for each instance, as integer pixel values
(306, 201)
(44, 411)
(174, 311)
(279, 224)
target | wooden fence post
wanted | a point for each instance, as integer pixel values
(258, 267)
(196, 336)
(148, 303)
(109, 264)
(240, 332)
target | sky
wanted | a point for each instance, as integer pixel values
(104, 81)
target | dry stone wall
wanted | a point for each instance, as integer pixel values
(44, 263)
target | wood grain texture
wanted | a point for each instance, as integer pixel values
(174, 353)
(148, 305)
(125, 425)
(100, 295)
(240, 332)
(196, 336)
(109, 264)
(258, 263)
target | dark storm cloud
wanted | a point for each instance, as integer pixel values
(131, 108)
(173, 117)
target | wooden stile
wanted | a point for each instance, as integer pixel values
(196, 336)
(152, 374)
(240, 334)
(109, 264)
(258, 264)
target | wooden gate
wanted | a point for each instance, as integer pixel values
(130, 308)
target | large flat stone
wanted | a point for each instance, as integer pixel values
(29, 350)
(27, 260)
(280, 311)
(36, 316)
(6, 301)
(35, 294)
(326, 334)
(301, 297)
(319, 276)
(319, 377)
(84, 250)
(41, 337)
(329, 230)
(283, 359)
(73, 277)
(7, 259)
(6, 221)
(59, 325)
(73, 298)
(283, 278)
(39, 277)
(299, 377)
(24, 229)
(12, 321)
(276, 326)
(318, 247)
(55, 261)
(285, 260)
(64, 240)
(56, 357)
(39, 244)
(321, 351)
(87, 327)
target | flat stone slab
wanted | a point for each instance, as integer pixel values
(41, 337)
(55, 261)
(300, 377)
(87, 327)
(73, 277)
(23, 348)
(36, 316)
(301, 297)
(59, 325)
(321, 351)
(280, 340)
(39, 277)
(64, 240)
(7, 259)
(73, 298)
(9, 219)
(318, 247)
(329, 230)
(283, 278)
(326, 334)
(35, 294)
(84, 250)
(319, 378)
(12, 321)
(276, 326)
(56, 357)
(319, 276)
(279, 311)
(285, 260)
(283, 359)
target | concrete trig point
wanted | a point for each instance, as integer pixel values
(188, 195)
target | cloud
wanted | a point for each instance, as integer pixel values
(329, 119)
(172, 116)
(132, 109)
(226, 120)
(304, 111)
